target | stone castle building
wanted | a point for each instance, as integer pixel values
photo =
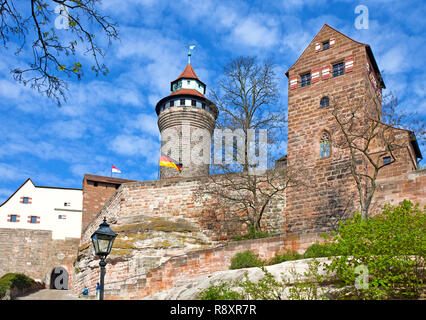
(185, 117)
(167, 236)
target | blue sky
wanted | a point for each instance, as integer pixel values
(111, 120)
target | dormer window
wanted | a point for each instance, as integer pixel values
(26, 200)
(325, 45)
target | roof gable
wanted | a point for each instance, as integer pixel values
(322, 35)
(11, 196)
(326, 32)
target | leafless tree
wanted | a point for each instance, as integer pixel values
(247, 98)
(360, 130)
(54, 50)
(243, 199)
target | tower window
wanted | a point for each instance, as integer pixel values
(172, 103)
(182, 102)
(325, 45)
(325, 145)
(338, 69)
(188, 82)
(386, 160)
(325, 102)
(305, 79)
(203, 106)
(193, 103)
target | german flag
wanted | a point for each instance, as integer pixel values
(166, 161)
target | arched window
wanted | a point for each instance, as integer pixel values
(325, 145)
(325, 102)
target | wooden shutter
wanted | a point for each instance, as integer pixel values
(325, 72)
(293, 82)
(349, 64)
(315, 75)
(317, 47)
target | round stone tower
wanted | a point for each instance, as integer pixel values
(186, 119)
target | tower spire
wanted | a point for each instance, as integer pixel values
(189, 53)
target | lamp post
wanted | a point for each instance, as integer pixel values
(102, 240)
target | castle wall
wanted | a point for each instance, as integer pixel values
(157, 221)
(178, 269)
(393, 187)
(35, 253)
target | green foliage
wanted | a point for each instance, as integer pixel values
(307, 288)
(382, 257)
(287, 256)
(17, 280)
(221, 291)
(318, 250)
(253, 234)
(246, 259)
(267, 288)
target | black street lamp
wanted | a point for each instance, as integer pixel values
(102, 239)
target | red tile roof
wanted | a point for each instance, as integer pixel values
(187, 91)
(113, 180)
(188, 73)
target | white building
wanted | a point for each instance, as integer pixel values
(44, 208)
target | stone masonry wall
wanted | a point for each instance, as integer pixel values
(394, 188)
(94, 198)
(178, 269)
(34, 253)
(157, 221)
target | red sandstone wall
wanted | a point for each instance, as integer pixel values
(187, 266)
(94, 199)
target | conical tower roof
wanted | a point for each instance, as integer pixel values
(188, 73)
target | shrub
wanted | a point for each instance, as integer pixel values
(253, 234)
(267, 288)
(318, 250)
(287, 256)
(246, 259)
(17, 280)
(382, 257)
(221, 291)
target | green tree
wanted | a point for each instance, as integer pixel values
(57, 30)
(381, 257)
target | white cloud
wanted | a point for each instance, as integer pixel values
(394, 61)
(130, 145)
(254, 33)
